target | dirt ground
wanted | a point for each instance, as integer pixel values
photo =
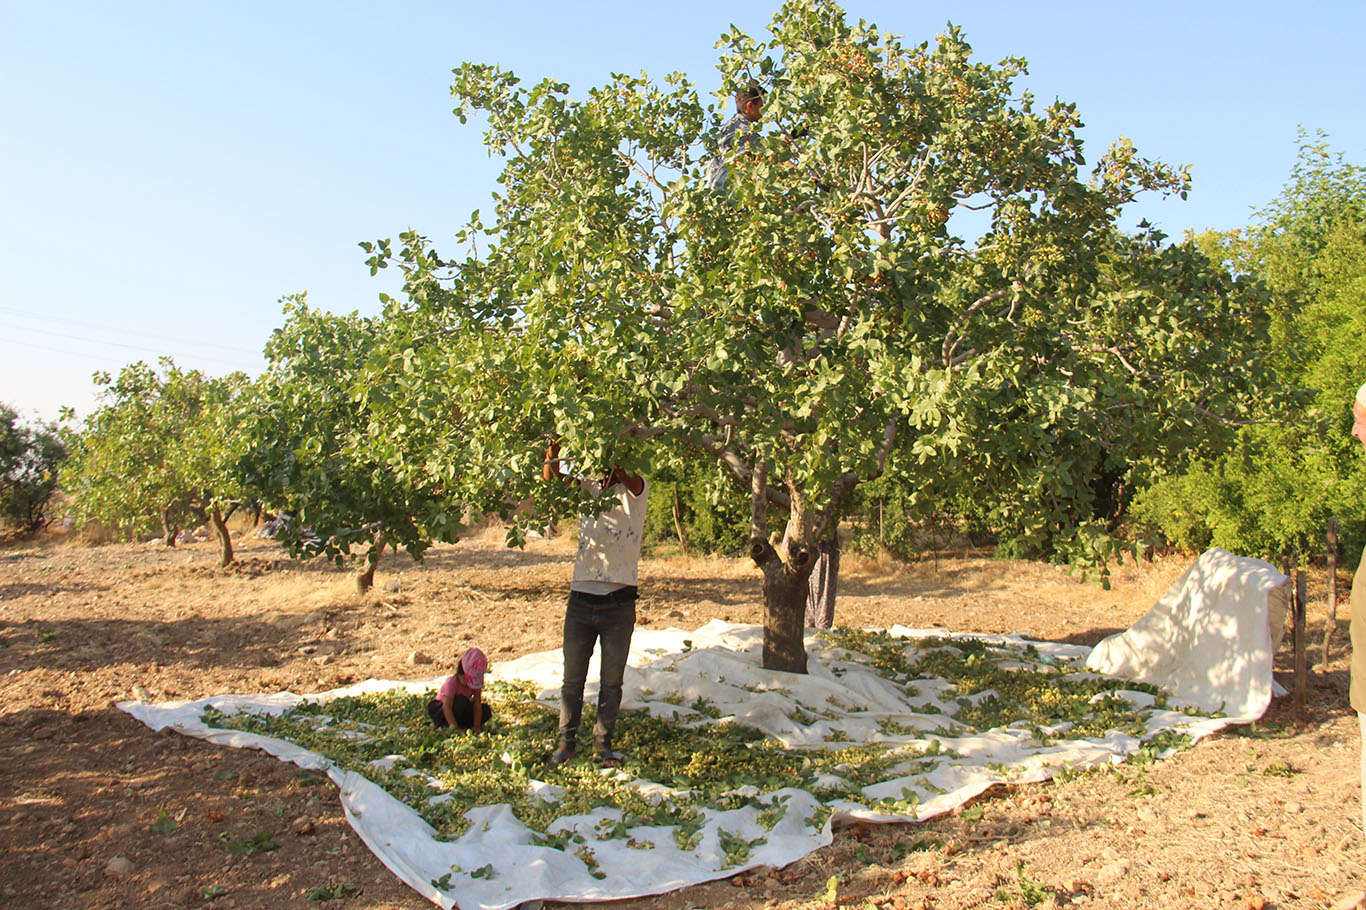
(97, 811)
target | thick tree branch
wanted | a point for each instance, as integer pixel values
(959, 358)
(916, 181)
(738, 468)
(954, 336)
(760, 550)
(821, 319)
(758, 502)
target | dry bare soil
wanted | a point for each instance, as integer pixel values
(98, 811)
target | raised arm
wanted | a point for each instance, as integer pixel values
(551, 468)
(634, 483)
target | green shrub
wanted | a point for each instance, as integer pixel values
(712, 521)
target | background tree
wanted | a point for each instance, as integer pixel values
(321, 449)
(30, 455)
(692, 507)
(157, 451)
(830, 310)
(1273, 489)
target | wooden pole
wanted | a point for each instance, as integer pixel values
(1301, 656)
(1331, 622)
(1288, 570)
(933, 548)
(678, 521)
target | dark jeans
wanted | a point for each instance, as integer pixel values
(610, 619)
(462, 708)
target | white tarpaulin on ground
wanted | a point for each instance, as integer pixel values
(1211, 639)
(498, 862)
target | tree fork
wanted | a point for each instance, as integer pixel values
(365, 578)
(169, 531)
(219, 521)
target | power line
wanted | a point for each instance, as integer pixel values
(120, 345)
(43, 347)
(124, 331)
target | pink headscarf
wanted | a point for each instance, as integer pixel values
(474, 663)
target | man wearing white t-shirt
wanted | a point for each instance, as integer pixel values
(602, 606)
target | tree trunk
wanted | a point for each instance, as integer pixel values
(168, 530)
(785, 589)
(365, 578)
(1332, 621)
(219, 523)
(784, 622)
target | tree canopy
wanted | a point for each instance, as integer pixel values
(30, 454)
(315, 447)
(158, 451)
(1273, 489)
(830, 310)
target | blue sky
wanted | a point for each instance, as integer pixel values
(168, 171)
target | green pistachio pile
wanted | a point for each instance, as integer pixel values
(708, 763)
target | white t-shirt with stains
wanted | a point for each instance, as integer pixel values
(609, 544)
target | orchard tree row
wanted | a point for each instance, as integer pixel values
(911, 292)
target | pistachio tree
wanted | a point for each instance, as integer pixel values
(910, 260)
(317, 450)
(157, 452)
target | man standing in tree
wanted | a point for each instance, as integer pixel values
(738, 134)
(602, 605)
(1358, 610)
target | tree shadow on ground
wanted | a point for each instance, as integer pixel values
(16, 590)
(259, 640)
(505, 595)
(457, 557)
(920, 579)
(1088, 637)
(256, 566)
(686, 592)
